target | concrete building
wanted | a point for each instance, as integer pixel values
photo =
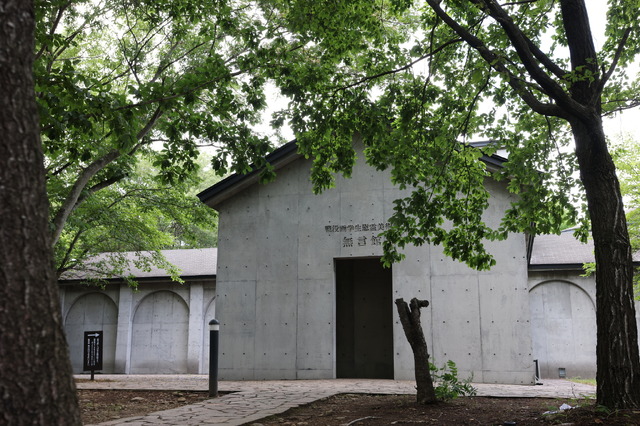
(162, 327)
(301, 293)
(563, 306)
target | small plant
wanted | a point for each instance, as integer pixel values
(446, 382)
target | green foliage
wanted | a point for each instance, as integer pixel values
(414, 91)
(121, 81)
(447, 384)
(413, 81)
(117, 76)
(138, 213)
(626, 154)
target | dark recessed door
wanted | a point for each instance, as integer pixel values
(364, 319)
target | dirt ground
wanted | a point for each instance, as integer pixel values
(105, 405)
(368, 410)
(376, 410)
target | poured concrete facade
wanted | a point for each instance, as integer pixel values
(277, 281)
(161, 327)
(563, 306)
(563, 319)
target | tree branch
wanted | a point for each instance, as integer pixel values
(61, 169)
(629, 104)
(147, 128)
(397, 70)
(582, 52)
(97, 187)
(474, 101)
(52, 31)
(497, 63)
(522, 46)
(56, 53)
(162, 67)
(545, 60)
(554, 68)
(175, 95)
(62, 267)
(616, 59)
(71, 201)
(514, 3)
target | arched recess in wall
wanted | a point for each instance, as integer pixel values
(209, 314)
(160, 335)
(92, 312)
(563, 329)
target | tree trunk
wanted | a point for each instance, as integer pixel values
(410, 319)
(618, 363)
(36, 383)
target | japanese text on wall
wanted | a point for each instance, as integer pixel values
(359, 240)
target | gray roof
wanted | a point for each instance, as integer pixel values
(563, 251)
(190, 262)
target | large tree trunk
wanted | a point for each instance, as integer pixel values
(410, 319)
(618, 363)
(36, 384)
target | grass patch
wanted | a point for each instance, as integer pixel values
(583, 381)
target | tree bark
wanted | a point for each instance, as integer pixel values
(410, 319)
(618, 361)
(36, 383)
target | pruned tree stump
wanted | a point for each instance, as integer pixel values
(410, 319)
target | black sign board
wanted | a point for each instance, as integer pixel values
(92, 351)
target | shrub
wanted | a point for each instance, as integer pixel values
(446, 383)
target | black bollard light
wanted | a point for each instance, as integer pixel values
(214, 329)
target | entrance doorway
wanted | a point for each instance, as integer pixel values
(364, 319)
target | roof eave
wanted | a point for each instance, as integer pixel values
(548, 267)
(557, 267)
(287, 153)
(186, 278)
(236, 183)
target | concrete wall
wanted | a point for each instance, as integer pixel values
(563, 317)
(276, 283)
(160, 328)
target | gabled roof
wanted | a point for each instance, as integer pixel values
(192, 263)
(563, 252)
(279, 158)
(235, 183)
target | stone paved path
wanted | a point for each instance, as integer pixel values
(251, 401)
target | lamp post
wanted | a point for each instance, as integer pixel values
(214, 329)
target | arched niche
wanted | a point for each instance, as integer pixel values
(160, 335)
(563, 328)
(92, 312)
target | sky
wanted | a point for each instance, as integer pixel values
(627, 122)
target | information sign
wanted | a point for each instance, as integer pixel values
(92, 351)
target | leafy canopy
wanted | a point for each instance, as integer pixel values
(139, 214)
(418, 80)
(119, 81)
